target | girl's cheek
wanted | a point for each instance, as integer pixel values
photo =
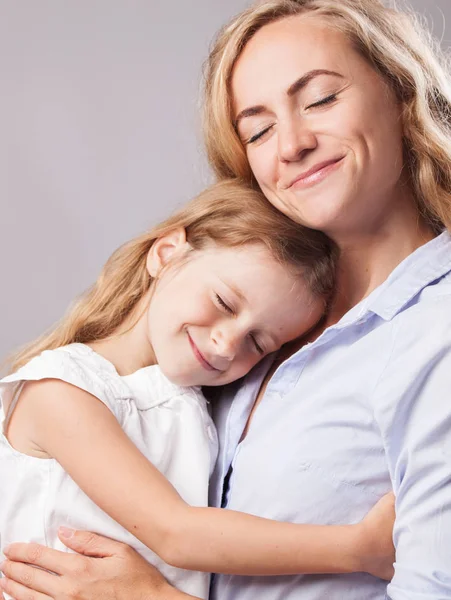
(204, 308)
(248, 364)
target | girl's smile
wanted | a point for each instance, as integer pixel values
(213, 314)
(200, 357)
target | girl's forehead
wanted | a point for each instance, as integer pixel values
(245, 255)
(244, 266)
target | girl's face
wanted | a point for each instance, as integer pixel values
(215, 313)
(321, 129)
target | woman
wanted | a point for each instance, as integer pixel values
(339, 112)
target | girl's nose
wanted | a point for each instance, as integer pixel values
(225, 342)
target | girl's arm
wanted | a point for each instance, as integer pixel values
(77, 430)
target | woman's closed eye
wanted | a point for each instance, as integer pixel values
(259, 134)
(324, 101)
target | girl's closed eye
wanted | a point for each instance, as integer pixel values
(224, 304)
(257, 346)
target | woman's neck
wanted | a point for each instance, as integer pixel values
(367, 259)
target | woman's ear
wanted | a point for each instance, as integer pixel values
(165, 249)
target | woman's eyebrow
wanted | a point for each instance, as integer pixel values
(303, 81)
(248, 112)
(295, 87)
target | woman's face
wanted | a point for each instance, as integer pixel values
(322, 130)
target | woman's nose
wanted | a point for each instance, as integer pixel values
(294, 140)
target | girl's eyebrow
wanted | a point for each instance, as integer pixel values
(295, 87)
(234, 290)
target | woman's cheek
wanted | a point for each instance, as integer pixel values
(263, 163)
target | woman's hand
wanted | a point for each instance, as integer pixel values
(108, 570)
(376, 553)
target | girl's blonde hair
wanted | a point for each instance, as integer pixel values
(397, 47)
(228, 214)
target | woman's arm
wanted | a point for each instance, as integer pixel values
(86, 439)
(413, 411)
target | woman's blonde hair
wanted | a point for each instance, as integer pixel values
(397, 47)
(228, 214)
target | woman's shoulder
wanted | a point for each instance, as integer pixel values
(430, 308)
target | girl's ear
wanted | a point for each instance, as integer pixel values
(165, 249)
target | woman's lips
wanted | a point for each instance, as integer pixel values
(316, 174)
(200, 357)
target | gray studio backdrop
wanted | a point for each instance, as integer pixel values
(99, 136)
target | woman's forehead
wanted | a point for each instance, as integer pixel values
(283, 51)
(286, 51)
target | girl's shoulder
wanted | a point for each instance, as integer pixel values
(82, 367)
(75, 364)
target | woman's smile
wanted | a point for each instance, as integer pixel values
(315, 174)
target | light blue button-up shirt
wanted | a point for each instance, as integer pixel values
(364, 408)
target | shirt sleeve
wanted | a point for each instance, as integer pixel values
(412, 404)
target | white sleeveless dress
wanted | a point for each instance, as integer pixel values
(170, 425)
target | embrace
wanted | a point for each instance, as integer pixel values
(256, 386)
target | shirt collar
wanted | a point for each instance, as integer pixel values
(427, 264)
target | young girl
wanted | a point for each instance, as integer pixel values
(106, 412)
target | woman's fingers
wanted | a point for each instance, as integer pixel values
(61, 563)
(122, 574)
(90, 544)
(20, 592)
(40, 556)
(29, 577)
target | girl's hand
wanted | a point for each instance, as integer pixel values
(108, 570)
(375, 550)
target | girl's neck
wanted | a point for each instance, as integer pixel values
(129, 348)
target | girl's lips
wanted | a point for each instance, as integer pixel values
(200, 357)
